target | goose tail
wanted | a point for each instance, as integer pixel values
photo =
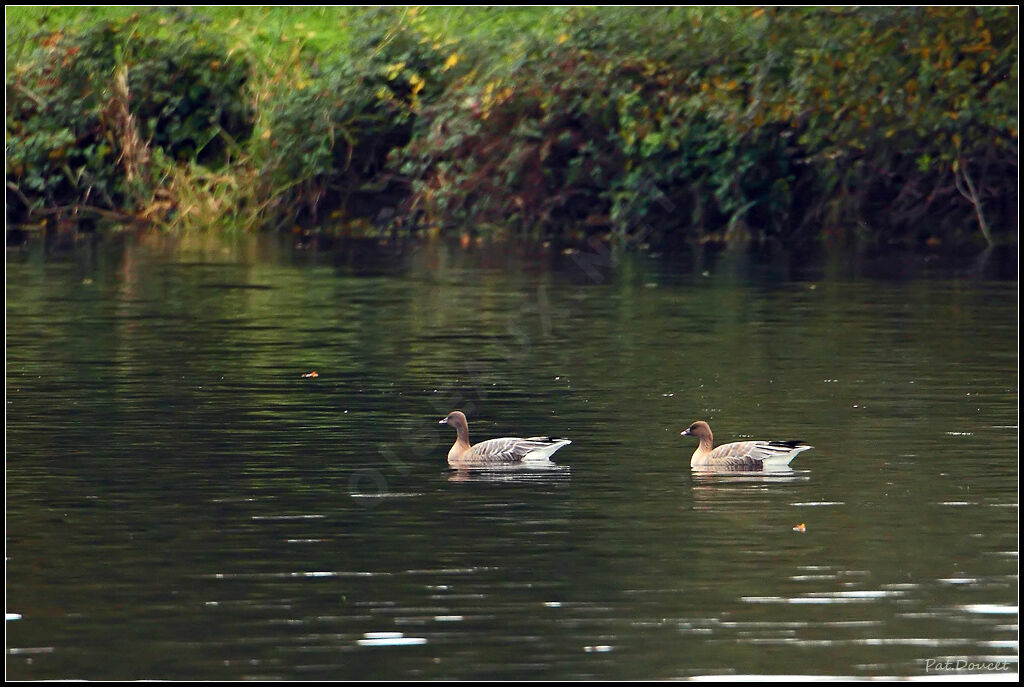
(783, 459)
(544, 453)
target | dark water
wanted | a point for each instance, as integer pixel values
(182, 503)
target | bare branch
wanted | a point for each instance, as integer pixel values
(971, 194)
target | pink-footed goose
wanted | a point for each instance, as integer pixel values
(494, 453)
(740, 455)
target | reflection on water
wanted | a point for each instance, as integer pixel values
(183, 503)
(730, 491)
(768, 470)
(537, 474)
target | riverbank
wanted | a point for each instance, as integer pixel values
(660, 127)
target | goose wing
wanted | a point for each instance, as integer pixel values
(510, 450)
(754, 454)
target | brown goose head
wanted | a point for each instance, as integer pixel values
(699, 429)
(457, 419)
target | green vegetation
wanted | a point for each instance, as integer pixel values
(660, 125)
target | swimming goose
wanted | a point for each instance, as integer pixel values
(740, 455)
(494, 453)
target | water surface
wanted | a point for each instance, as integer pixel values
(184, 503)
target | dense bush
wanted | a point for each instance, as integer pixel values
(328, 141)
(681, 123)
(600, 131)
(521, 151)
(89, 110)
(908, 115)
(658, 125)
